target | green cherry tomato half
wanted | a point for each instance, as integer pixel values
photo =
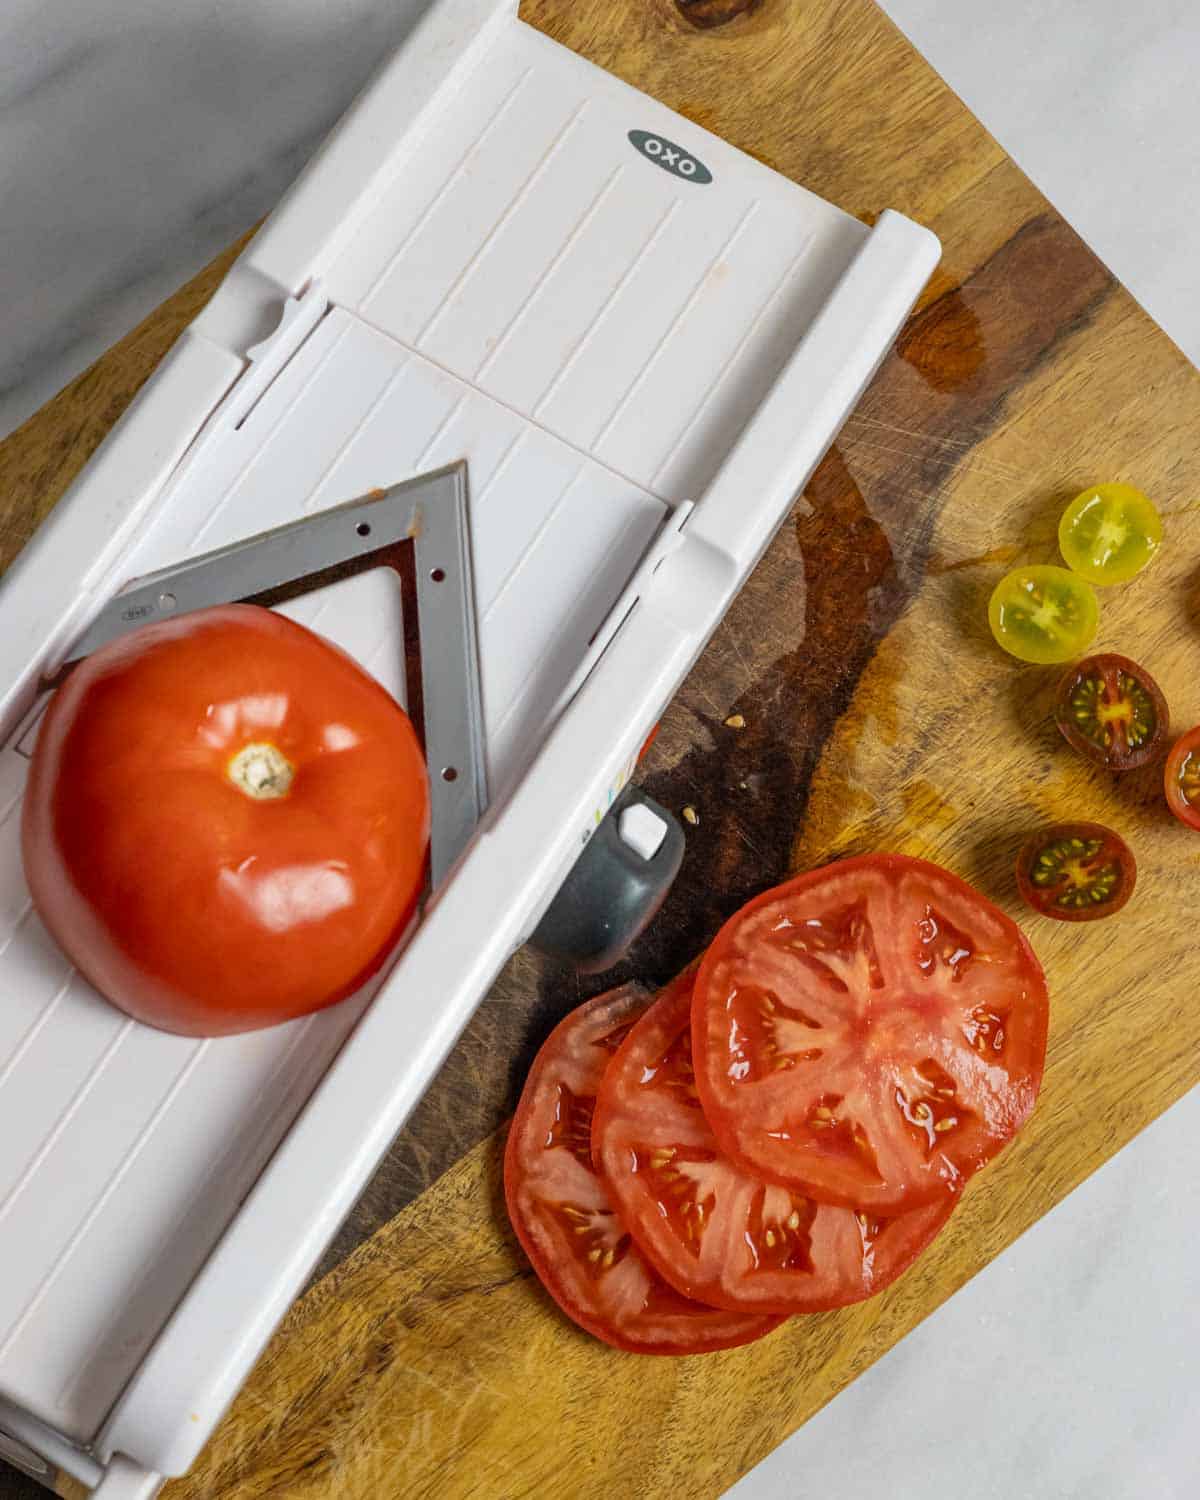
(1043, 614)
(1109, 533)
(1076, 872)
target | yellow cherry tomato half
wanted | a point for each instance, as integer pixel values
(1109, 533)
(1044, 614)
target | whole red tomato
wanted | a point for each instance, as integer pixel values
(226, 822)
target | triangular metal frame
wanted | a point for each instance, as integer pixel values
(419, 528)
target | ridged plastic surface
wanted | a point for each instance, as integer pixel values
(526, 245)
(126, 1150)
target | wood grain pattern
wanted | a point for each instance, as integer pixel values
(877, 714)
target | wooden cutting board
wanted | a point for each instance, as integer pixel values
(877, 714)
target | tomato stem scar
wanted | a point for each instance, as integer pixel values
(261, 772)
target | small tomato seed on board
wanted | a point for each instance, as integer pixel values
(690, 815)
(735, 721)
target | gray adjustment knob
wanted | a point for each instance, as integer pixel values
(615, 886)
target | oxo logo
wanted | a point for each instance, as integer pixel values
(669, 157)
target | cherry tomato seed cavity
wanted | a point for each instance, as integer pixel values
(1076, 872)
(1112, 711)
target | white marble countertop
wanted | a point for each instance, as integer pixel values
(137, 139)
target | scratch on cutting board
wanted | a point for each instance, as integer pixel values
(948, 444)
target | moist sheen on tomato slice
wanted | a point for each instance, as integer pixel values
(563, 1214)
(711, 1229)
(1182, 778)
(869, 1034)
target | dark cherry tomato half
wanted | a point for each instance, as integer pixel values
(1076, 872)
(1112, 711)
(1183, 778)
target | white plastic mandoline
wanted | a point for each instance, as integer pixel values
(478, 264)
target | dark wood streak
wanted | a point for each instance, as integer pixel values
(709, 13)
(835, 582)
(865, 542)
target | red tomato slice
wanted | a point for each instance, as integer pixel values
(869, 1034)
(226, 821)
(564, 1216)
(712, 1230)
(1182, 778)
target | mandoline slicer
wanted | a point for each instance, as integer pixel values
(640, 342)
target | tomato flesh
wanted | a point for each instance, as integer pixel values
(1109, 533)
(226, 822)
(1182, 778)
(1112, 711)
(565, 1217)
(1043, 614)
(712, 1230)
(869, 1034)
(1076, 872)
